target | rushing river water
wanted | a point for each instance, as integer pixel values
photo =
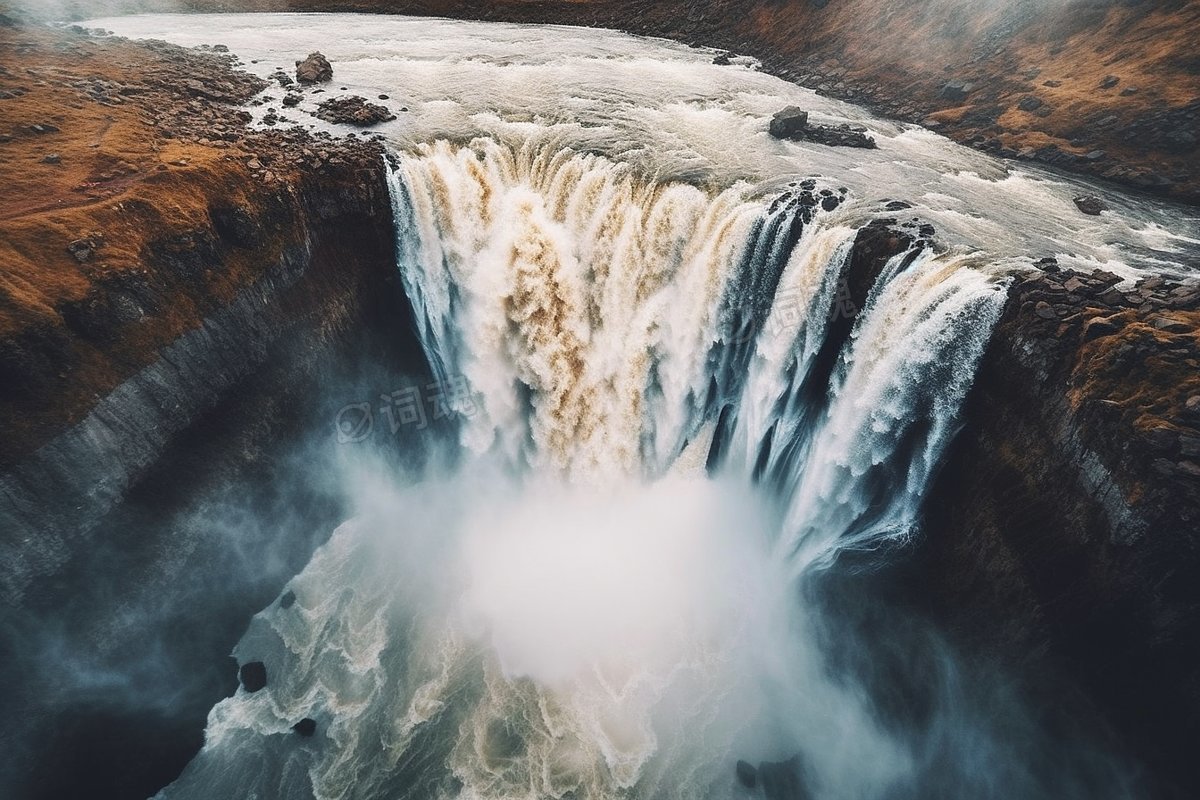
(672, 423)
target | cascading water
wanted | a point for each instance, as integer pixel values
(609, 603)
(679, 420)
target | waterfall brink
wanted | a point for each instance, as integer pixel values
(604, 321)
(679, 412)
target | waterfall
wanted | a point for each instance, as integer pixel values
(679, 414)
(604, 321)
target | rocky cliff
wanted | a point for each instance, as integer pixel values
(157, 253)
(1064, 530)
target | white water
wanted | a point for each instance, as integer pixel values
(586, 225)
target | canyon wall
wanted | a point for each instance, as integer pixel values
(1063, 526)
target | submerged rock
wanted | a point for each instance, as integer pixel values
(314, 69)
(1090, 204)
(253, 676)
(305, 727)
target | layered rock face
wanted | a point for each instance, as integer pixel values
(166, 255)
(1064, 524)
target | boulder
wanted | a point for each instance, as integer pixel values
(305, 727)
(792, 123)
(788, 122)
(1109, 81)
(957, 91)
(253, 676)
(1090, 204)
(1029, 103)
(314, 69)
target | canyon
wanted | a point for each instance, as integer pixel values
(207, 272)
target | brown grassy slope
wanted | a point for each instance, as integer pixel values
(139, 158)
(897, 55)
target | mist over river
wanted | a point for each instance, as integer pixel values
(676, 455)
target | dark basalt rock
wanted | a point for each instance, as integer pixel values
(788, 122)
(305, 727)
(314, 69)
(792, 123)
(253, 676)
(353, 110)
(1090, 204)
(288, 600)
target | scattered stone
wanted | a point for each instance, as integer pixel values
(1109, 81)
(1100, 326)
(52, 158)
(1090, 204)
(253, 676)
(305, 727)
(353, 110)
(314, 69)
(957, 91)
(1052, 84)
(1029, 103)
(83, 249)
(283, 79)
(1129, 91)
(722, 60)
(291, 100)
(384, 97)
(1172, 325)
(1095, 155)
(288, 600)
(43, 128)
(1044, 310)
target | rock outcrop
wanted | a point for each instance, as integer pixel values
(314, 69)
(792, 123)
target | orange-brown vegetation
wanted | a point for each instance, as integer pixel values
(112, 167)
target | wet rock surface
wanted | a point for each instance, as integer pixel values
(314, 69)
(353, 110)
(792, 123)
